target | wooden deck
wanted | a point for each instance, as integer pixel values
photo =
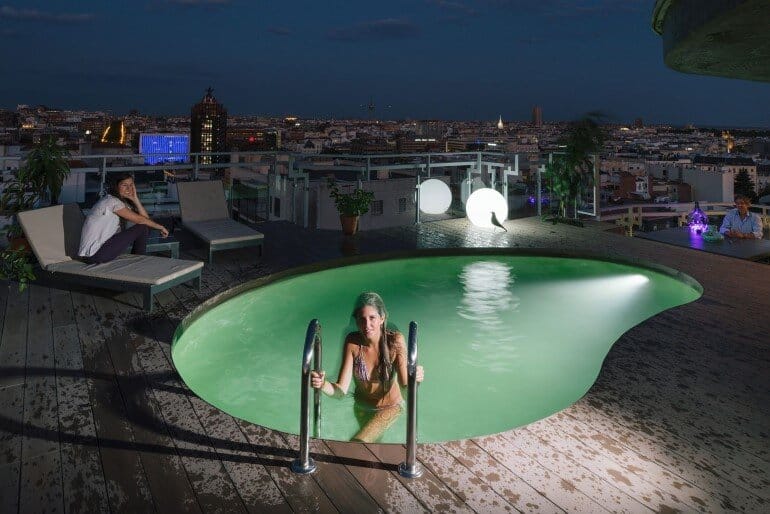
(93, 417)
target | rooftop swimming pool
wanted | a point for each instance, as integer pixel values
(506, 337)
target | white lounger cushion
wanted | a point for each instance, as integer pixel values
(141, 269)
(53, 232)
(222, 231)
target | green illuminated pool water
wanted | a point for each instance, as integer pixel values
(505, 340)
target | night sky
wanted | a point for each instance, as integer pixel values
(441, 59)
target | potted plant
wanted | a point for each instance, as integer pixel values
(16, 267)
(350, 205)
(44, 171)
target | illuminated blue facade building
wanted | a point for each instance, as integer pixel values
(161, 148)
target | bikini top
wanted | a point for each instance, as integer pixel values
(360, 371)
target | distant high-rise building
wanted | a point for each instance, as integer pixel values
(537, 116)
(160, 148)
(208, 129)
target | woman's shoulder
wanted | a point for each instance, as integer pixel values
(110, 202)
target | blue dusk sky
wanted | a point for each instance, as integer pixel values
(415, 59)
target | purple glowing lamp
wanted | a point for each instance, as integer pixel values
(699, 222)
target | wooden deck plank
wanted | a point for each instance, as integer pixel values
(378, 480)
(738, 403)
(170, 484)
(575, 472)
(13, 354)
(41, 478)
(84, 488)
(462, 481)
(644, 421)
(616, 437)
(212, 486)
(674, 404)
(124, 474)
(502, 480)
(4, 293)
(654, 486)
(345, 492)
(556, 486)
(11, 415)
(62, 313)
(301, 491)
(429, 489)
(253, 483)
(13, 344)
(663, 420)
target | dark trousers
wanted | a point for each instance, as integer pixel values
(117, 244)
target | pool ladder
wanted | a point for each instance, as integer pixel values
(304, 464)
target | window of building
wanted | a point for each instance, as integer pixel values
(376, 209)
(401, 205)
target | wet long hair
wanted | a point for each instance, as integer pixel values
(374, 300)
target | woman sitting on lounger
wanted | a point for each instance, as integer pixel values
(376, 358)
(104, 235)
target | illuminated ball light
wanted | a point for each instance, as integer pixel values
(482, 203)
(435, 197)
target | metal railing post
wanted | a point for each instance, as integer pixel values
(410, 468)
(304, 464)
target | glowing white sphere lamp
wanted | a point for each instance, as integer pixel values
(435, 196)
(482, 203)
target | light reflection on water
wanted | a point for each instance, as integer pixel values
(489, 304)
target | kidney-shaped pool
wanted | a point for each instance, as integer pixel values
(505, 338)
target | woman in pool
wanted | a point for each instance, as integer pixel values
(376, 359)
(102, 239)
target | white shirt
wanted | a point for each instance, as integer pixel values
(101, 224)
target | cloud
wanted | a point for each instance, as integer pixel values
(12, 13)
(279, 31)
(388, 28)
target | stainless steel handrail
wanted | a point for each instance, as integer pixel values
(304, 464)
(410, 468)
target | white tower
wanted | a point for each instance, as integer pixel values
(500, 123)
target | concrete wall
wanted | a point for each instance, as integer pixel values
(710, 186)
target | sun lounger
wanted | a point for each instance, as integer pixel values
(205, 214)
(54, 235)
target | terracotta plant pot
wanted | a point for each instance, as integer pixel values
(18, 243)
(349, 224)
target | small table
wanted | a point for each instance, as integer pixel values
(749, 249)
(156, 244)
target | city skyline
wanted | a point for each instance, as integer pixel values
(433, 59)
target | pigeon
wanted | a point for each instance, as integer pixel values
(496, 222)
